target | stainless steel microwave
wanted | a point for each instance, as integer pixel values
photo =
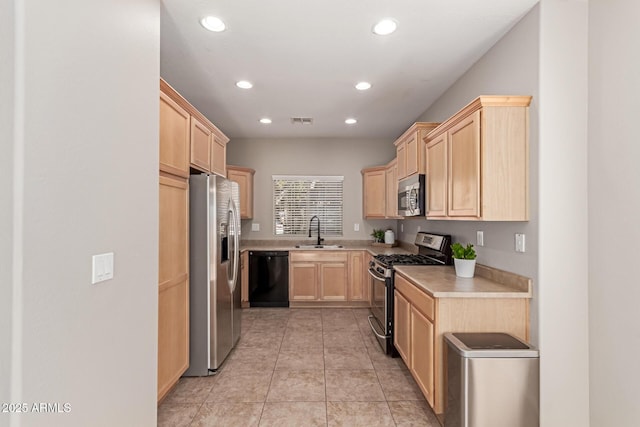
(411, 196)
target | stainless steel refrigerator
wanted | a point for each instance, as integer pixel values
(214, 285)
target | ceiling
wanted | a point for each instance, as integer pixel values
(305, 57)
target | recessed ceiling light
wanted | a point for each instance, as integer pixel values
(213, 23)
(265, 121)
(243, 84)
(385, 27)
(351, 121)
(363, 86)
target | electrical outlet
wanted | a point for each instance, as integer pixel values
(520, 246)
(401, 228)
(419, 228)
(479, 238)
(255, 226)
(356, 227)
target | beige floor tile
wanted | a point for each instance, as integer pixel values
(300, 338)
(177, 414)
(346, 358)
(294, 414)
(343, 338)
(191, 390)
(359, 414)
(251, 359)
(399, 385)
(261, 339)
(382, 361)
(353, 385)
(228, 415)
(300, 358)
(345, 326)
(297, 386)
(304, 324)
(241, 386)
(413, 413)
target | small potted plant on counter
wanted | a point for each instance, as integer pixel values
(464, 259)
(378, 235)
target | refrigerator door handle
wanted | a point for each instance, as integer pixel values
(233, 228)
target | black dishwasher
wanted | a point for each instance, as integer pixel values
(269, 279)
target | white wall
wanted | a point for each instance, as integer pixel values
(563, 246)
(87, 109)
(6, 199)
(310, 157)
(509, 67)
(614, 206)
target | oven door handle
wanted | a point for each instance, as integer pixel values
(375, 276)
(382, 337)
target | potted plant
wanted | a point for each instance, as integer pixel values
(464, 259)
(378, 235)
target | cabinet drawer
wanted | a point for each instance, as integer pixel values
(318, 256)
(420, 300)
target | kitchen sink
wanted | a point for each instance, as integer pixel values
(319, 246)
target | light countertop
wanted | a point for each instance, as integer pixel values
(290, 246)
(442, 282)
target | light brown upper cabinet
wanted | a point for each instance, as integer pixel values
(244, 178)
(174, 137)
(391, 208)
(205, 147)
(478, 162)
(374, 192)
(410, 149)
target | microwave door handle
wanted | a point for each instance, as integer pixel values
(411, 202)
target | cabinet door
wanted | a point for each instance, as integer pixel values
(412, 154)
(437, 177)
(303, 278)
(357, 285)
(173, 282)
(391, 206)
(174, 137)
(464, 167)
(218, 157)
(373, 193)
(245, 184)
(201, 138)
(401, 325)
(401, 155)
(422, 353)
(333, 281)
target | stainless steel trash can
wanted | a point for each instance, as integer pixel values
(493, 380)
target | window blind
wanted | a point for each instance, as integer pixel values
(296, 199)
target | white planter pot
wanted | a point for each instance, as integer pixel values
(465, 267)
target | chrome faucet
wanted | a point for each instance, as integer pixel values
(310, 221)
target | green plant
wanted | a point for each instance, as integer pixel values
(463, 252)
(378, 235)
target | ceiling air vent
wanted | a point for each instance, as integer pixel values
(301, 120)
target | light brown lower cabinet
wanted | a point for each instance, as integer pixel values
(173, 282)
(327, 278)
(421, 320)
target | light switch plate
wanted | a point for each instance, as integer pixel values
(520, 242)
(101, 267)
(255, 226)
(356, 227)
(479, 238)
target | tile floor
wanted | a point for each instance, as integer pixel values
(301, 367)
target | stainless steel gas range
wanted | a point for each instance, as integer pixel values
(433, 249)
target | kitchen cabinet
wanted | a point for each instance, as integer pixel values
(420, 321)
(174, 137)
(201, 139)
(478, 162)
(391, 182)
(410, 149)
(244, 279)
(187, 138)
(173, 282)
(358, 290)
(319, 278)
(374, 192)
(244, 178)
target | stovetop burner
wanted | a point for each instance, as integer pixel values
(405, 259)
